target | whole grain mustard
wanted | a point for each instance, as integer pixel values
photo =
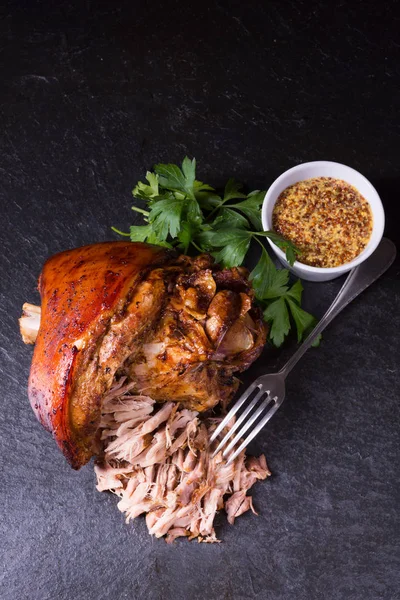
(326, 218)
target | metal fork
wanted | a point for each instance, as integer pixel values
(267, 392)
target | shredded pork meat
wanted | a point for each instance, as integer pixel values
(157, 460)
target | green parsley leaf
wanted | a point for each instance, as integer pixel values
(165, 217)
(295, 292)
(268, 282)
(286, 245)
(229, 218)
(224, 236)
(277, 315)
(189, 171)
(141, 190)
(290, 251)
(205, 239)
(278, 286)
(208, 201)
(232, 255)
(303, 320)
(193, 212)
(234, 245)
(145, 233)
(185, 235)
(232, 190)
(199, 186)
(213, 201)
(317, 341)
(260, 276)
(140, 233)
(205, 195)
(251, 207)
(173, 178)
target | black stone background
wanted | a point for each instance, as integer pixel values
(92, 94)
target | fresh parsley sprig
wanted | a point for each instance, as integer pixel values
(281, 302)
(182, 212)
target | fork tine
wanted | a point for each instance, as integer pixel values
(239, 421)
(256, 429)
(234, 409)
(247, 425)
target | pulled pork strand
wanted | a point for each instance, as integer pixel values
(157, 460)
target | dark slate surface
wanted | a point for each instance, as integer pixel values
(92, 95)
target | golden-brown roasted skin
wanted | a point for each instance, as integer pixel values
(85, 293)
(178, 327)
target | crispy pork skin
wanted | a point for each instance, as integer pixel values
(177, 327)
(87, 293)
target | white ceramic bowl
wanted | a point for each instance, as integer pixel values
(324, 168)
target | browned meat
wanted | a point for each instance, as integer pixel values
(205, 334)
(178, 327)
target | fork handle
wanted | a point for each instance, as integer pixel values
(357, 281)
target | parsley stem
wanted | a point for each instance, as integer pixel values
(259, 241)
(140, 210)
(120, 232)
(196, 246)
(215, 209)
